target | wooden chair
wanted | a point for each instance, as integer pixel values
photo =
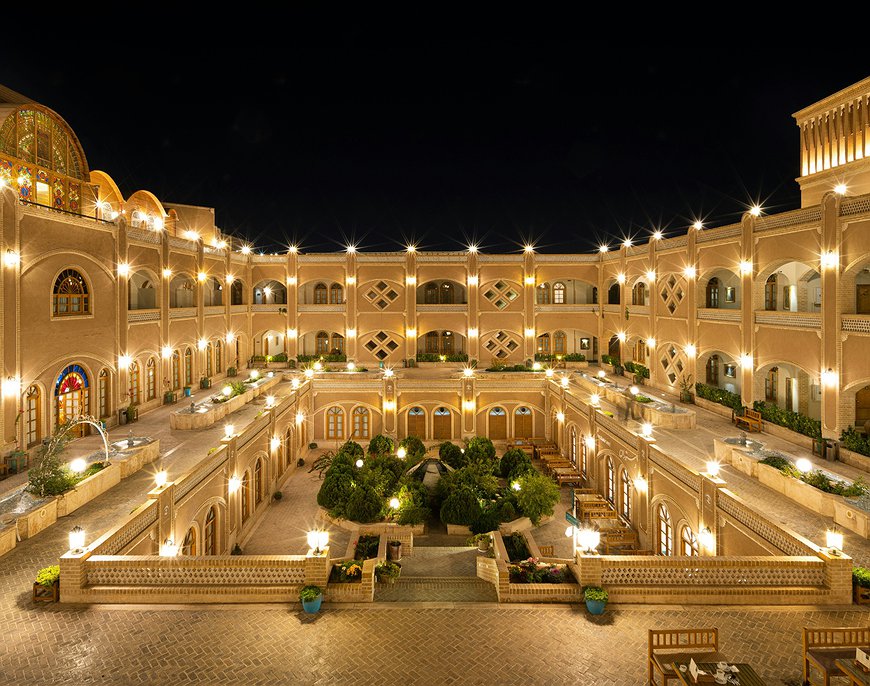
(822, 647)
(546, 550)
(749, 420)
(669, 645)
(619, 540)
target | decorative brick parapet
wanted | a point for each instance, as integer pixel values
(353, 592)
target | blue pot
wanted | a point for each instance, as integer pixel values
(312, 607)
(596, 607)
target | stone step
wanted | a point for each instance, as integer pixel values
(436, 589)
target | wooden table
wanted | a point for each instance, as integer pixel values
(856, 674)
(745, 677)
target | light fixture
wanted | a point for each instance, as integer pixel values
(78, 465)
(472, 280)
(746, 360)
(601, 374)
(230, 278)
(594, 398)
(690, 272)
(76, 539)
(803, 465)
(191, 235)
(634, 390)
(294, 382)
(401, 452)
(707, 539)
(11, 386)
(621, 336)
(713, 467)
(317, 540)
(389, 405)
(657, 235)
(227, 390)
(234, 483)
(123, 269)
(650, 275)
(646, 429)
(411, 280)
(388, 373)
(292, 281)
(255, 374)
(529, 248)
(318, 366)
(270, 401)
(745, 267)
(620, 278)
(468, 405)
(359, 463)
(293, 249)
(830, 377)
(160, 478)
(291, 333)
(834, 542)
(221, 245)
(548, 372)
(350, 249)
(274, 443)
(840, 189)
(564, 381)
(697, 226)
(516, 486)
(627, 243)
(166, 352)
(124, 361)
(755, 210)
(830, 259)
(603, 248)
(410, 332)
(350, 280)
(411, 249)
(569, 532)
(230, 337)
(300, 417)
(590, 442)
(351, 366)
(394, 503)
(468, 371)
(589, 540)
(309, 373)
(530, 332)
(530, 281)
(560, 416)
(167, 272)
(201, 344)
(650, 342)
(350, 333)
(536, 366)
(229, 430)
(11, 258)
(246, 250)
(641, 485)
(472, 248)
(690, 349)
(168, 548)
(267, 291)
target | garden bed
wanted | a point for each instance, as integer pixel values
(88, 489)
(209, 413)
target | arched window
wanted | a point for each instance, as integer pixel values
(432, 342)
(219, 356)
(34, 135)
(135, 383)
(771, 381)
(141, 294)
(417, 422)
(321, 296)
(523, 423)
(189, 545)
(337, 346)
(626, 496)
(70, 295)
(182, 292)
(71, 395)
(150, 379)
(713, 293)
(713, 370)
(32, 416)
(270, 292)
(666, 531)
(288, 445)
(360, 422)
(558, 293)
(258, 481)
(209, 350)
(690, 542)
(611, 482)
(321, 343)
(335, 423)
(442, 424)
(640, 351)
(188, 367)
(446, 293)
(595, 295)
(574, 446)
(638, 294)
(542, 294)
(770, 293)
(214, 292)
(431, 293)
(613, 294)
(584, 457)
(237, 293)
(209, 537)
(543, 347)
(336, 294)
(103, 396)
(175, 373)
(246, 497)
(559, 343)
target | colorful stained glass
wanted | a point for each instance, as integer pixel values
(26, 134)
(74, 190)
(72, 378)
(58, 148)
(42, 176)
(8, 140)
(58, 194)
(6, 171)
(25, 182)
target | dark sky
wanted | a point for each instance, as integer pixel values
(444, 141)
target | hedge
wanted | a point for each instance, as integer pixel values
(790, 420)
(718, 395)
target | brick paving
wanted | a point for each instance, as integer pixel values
(423, 589)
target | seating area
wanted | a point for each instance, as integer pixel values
(667, 646)
(824, 647)
(552, 462)
(750, 420)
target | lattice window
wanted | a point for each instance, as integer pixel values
(672, 293)
(501, 294)
(381, 295)
(381, 345)
(501, 344)
(673, 363)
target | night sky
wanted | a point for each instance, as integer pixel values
(444, 142)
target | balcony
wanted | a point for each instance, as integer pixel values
(565, 307)
(719, 315)
(790, 320)
(211, 310)
(453, 307)
(134, 316)
(856, 323)
(271, 307)
(304, 308)
(182, 312)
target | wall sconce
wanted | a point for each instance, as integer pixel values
(124, 361)
(590, 442)
(411, 332)
(317, 540)
(201, 277)
(234, 484)
(388, 373)
(166, 352)
(12, 258)
(468, 405)
(641, 485)
(411, 280)
(291, 333)
(621, 336)
(275, 443)
(230, 337)
(830, 259)
(229, 430)
(389, 405)
(707, 539)
(560, 416)
(468, 371)
(530, 333)
(167, 272)
(472, 333)
(690, 349)
(350, 280)
(690, 272)
(300, 417)
(530, 280)
(713, 468)
(169, 548)
(834, 543)
(830, 377)
(201, 344)
(230, 278)
(746, 361)
(650, 276)
(646, 429)
(123, 269)
(11, 386)
(650, 342)
(472, 280)
(620, 278)
(77, 540)
(292, 281)
(745, 267)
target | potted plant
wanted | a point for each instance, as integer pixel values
(311, 597)
(596, 599)
(861, 585)
(686, 388)
(232, 371)
(482, 542)
(394, 550)
(46, 588)
(388, 571)
(187, 391)
(132, 413)
(204, 382)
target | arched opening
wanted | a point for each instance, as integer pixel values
(770, 293)
(690, 542)
(862, 291)
(219, 356)
(32, 416)
(245, 490)
(360, 422)
(790, 388)
(213, 292)
(272, 343)
(523, 423)
(793, 287)
(639, 293)
(336, 294)
(610, 482)
(335, 424)
(721, 290)
(258, 481)
(270, 292)
(175, 370)
(188, 367)
(416, 423)
(289, 446)
(441, 293)
(441, 343)
(103, 395)
(771, 385)
(336, 344)
(134, 386)
(713, 293)
(559, 293)
(720, 371)
(71, 397)
(497, 424)
(613, 293)
(442, 424)
(542, 346)
(560, 343)
(666, 531)
(712, 370)
(188, 547)
(613, 347)
(182, 291)
(862, 408)
(70, 295)
(141, 292)
(237, 292)
(627, 487)
(150, 379)
(321, 294)
(639, 353)
(209, 359)
(542, 294)
(209, 535)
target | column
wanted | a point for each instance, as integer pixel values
(410, 302)
(389, 402)
(747, 307)
(121, 304)
(529, 303)
(832, 341)
(350, 307)
(469, 406)
(200, 303)
(691, 300)
(292, 333)
(653, 307)
(10, 309)
(471, 284)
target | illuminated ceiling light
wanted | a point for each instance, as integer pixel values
(201, 344)
(651, 342)
(690, 349)
(657, 235)
(840, 189)
(830, 259)
(830, 377)
(697, 226)
(755, 210)
(11, 258)
(746, 361)
(350, 249)
(246, 250)
(472, 248)
(621, 336)
(124, 361)
(620, 277)
(167, 272)
(627, 243)
(530, 281)
(123, 269)
(603, 248)
(191, 235)
(166, 352)
(650, 275)
(745, 267)
(293, 249)
(472, 280)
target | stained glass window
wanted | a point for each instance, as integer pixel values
(70, 294)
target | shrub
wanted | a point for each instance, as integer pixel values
(506, 509)
(381, 445)
(514, 463)
(861, 576)
(610, 359)
(790, 420)
(642, 398)
(414, 448)
(575, 357)
(412, 514)
(531, 571)
(782, 464)
(364, 504)
(451, 454)
(537, 496)
(488, 521)
(335, 491)
(638, 369)
(48, 576)
(332, 357)
(309, 593)
(388, 569)
(349, 571)
(280, 357)
(516, 547)
(49, 475)
(414, 497)
(460, 507)
(506, 368)
(351, 448)
(481, 452)
(856, 442)
(595, 593)
(718, 395)
(366, 547)
(484, 486)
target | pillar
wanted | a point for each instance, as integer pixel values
(747, 305)
(832, 343)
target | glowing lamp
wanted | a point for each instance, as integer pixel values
(294, 382)
(697, 226)
(755, 210)
(160, 478)
(351, 249)
(530, 332)
(270, 374)
(834, 541)
(603, 248)
(646, 429)
(229, 430)
(123, 269)
(468, 371)
(293, 249)
(713, 468)
(317, 540)
(641, 485)
(690, 349)
(230, 278)
(157, 224)
(350, 280)
(411, 332)
(530, 281)
(191, 235)
(745, 267)
(829, 377)
(690, 272)
(234, 484)
(351, 366)
(11, 386)
(221, 245)
(318, 366)
(589, 540)
(168, 548)
(650, 342)
(394, 503)
(621, 336)
(388, 373)
(166, 352)
(270, 401)
(627, 243)
(76, 539)
(634, 390)
(401, 453)
(657, 235)
(309, 373)
(548, 372)
(620, 277)
(411, 248)
(746, 360)
(201, 344)
(292, 280)
(201, 277)
(291, 333)
(359, 463)
(124, 361)
(246, 250)
(472, 280)
(602, 374)
(803, 465)
(389, 405)
(12, 258)
(650, 275)
(167, 272)
(590, 442)
(569, 532)
(254, 374)
(830, 259)
(536, 366)
(560, 416)
(707, 539)
(468, 405)
(564, 381)
(350, 333)
(594, 398)
(528, 248)
(411, 280)
(78, 465)
(840, 189)
(472, 249)
(230, 337)
(267, 291)
(274, 443)
(300, 417)
(516, 486)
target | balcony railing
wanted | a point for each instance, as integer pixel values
(142, 316)
(856, 323)
(798, 320)
(566, 307)
(718, 315)
(452, 307)
(182, 312)
(313, 308)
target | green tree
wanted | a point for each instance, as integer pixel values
(537, 496)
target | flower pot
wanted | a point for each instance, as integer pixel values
(596, 607)
(312, 607)
(187, 391)
(394, 551)
(483, 545)
(46, 594)
(686, 397)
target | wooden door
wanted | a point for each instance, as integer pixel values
(442, 427)
(862, 406)
(417, 423)
(863, 299)
(523, 423)
(497, 424)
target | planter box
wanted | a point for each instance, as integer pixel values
(41, 594)
(542, 593)
(851, 517)
(713, 407)
(132, 460)
(576, 365)
(7, 539)
(31, 523)
(88, 489)
(458, 530)
(860, 594)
